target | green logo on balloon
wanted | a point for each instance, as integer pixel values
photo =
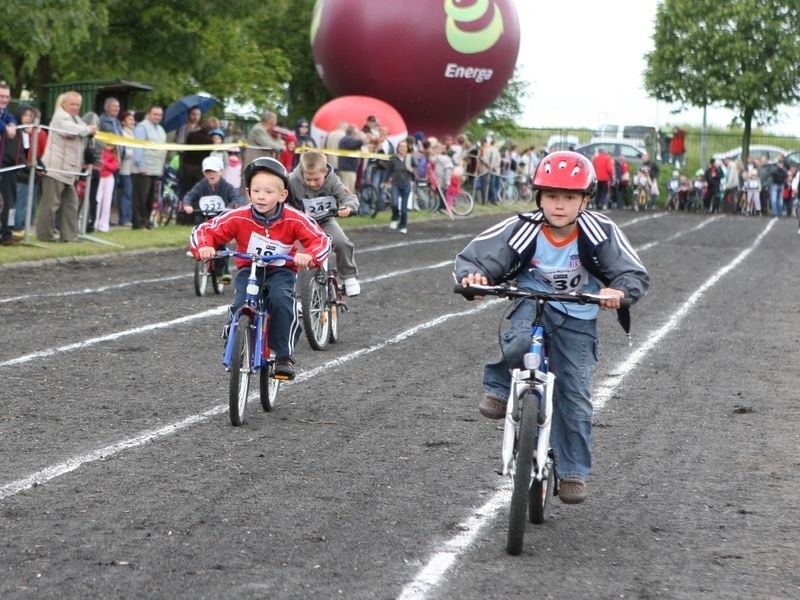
(472, 42)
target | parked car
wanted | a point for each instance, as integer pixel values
(637, 135)
(792, 158)
(617, 148)
(562, 142)
(756, 152)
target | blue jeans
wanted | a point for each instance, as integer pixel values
(21, 206)
(572, 346)
(776, 199)
(284, 325)
(125, 200)
(400, 205)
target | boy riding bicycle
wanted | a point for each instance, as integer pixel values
(266, 226)
(314, 188)
(562, 247)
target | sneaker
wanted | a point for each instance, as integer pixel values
(284, 368)
(572, 490)
(492, 408)
(403, 230)
(352, 287)
(393, 225)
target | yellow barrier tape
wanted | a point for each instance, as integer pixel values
(118, 140)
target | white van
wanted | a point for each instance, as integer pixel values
(633, 134)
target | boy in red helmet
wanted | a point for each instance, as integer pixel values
(266, 225)
(562, 247)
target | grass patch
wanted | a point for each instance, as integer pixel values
(122, 239)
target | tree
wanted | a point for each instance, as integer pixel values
(741, 55)
(500, 117)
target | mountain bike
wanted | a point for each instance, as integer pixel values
(212, 270)
(431, 198)
(247, 351)
(526, 453)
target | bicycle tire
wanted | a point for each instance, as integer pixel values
(215, 269)
(333, 311)
(313, 295)
(426, 198)
(521, 470)
(241, 362)
(369, 195)
(268, 387)
(525, 193)
(200, 278)
(463, 204)
(541, 492)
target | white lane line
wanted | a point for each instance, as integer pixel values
(103, 288)
(48, 473)
(435, 570)
(113, 336)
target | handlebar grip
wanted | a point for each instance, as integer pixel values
(625, 302)
(468, 292)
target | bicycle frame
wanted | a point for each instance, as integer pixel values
(254, 306)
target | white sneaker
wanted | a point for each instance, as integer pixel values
(352, 287)
(403, 230)
(393, 225)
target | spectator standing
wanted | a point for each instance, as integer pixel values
(63, 160)
(730, 186)
(752, 189)
(232, 172)
(332, 143)
(288, 156)
(778, 175)
(110, 123)
(713, 177)
(302, 132)
(148, 166)
(25, 136)
(92, 158)
(604, 169)
(190, 170)
(400, 175)
(350, 165)
(109, 160)
(124, 173)
(664, 143)
(677, 148)
(263, 140)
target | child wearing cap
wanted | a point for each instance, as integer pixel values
(209, 197)
(267, 225)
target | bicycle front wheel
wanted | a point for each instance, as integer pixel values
(463, 204)
(241, 362)
(333, 311)
(217, 268)
(316, 323)
(521, 473)
(200, 278)
(426, 198)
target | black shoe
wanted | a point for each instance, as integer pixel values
(284, 368)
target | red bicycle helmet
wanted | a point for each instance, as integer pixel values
(267, 164)
(565, 170)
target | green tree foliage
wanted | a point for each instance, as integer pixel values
(741, 55)
(254, 52)
(500, 117)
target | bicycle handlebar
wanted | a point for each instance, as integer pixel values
(251, 256)
(509, 291)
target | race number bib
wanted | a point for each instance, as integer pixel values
(317, 208)
(265, 246)
(562, 279)
(211, 204)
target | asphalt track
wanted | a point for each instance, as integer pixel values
(375, 477)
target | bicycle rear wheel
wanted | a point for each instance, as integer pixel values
(541, 491)
(268, 387)
(200, 278)
(521, 473)
(241, 361)
(426, 198)
(312, 284)
(463, 204)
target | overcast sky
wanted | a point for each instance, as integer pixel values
(583, 60)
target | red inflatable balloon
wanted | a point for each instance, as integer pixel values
(439, 62)
(354, 110)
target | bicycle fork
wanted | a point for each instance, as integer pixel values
(540, 386)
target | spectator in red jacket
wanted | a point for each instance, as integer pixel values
(677, 148)
(604, 169)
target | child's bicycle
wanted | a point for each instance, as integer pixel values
(641, 197)
(526, 453)
(213, 270)
(165, 210)
(246, 351)
(433, 199)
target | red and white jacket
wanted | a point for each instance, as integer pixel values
(253, 232)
